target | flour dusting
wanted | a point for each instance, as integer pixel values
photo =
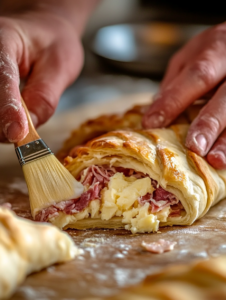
(92, 242)
(15, 106)
(29, 292)
(18, 184)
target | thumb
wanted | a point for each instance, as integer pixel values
(13, 120)
(55, 69)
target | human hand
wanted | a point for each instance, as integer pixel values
(196, 69)
(41, 43)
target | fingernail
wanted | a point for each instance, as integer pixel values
(155, 120)
(201, 142)
(14, 132)
(34, 118)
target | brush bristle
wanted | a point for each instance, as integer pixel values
(49, 182)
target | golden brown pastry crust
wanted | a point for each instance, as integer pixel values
(161, 154)
(128, 120)
(203, 280)
(161, 151)
(103, 124)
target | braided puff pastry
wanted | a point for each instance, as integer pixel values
(27, 247)
(198, 281)
(129, 120)
(98, 126)
(138, 180)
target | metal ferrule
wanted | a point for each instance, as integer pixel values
(32, 151)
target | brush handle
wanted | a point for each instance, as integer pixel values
(32, 134)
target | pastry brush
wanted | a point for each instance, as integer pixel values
(48, 181)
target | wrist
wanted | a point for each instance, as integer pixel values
(74, 12)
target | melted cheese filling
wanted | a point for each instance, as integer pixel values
(120, 199)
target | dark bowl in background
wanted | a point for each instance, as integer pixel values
(142, 48)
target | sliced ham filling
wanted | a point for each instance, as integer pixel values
(95, 178)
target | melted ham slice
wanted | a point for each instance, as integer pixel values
(159, 247)
(159, 200)
(95, 178)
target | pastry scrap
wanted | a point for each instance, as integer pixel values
(159, 247)
(26, 247)
(137, 180)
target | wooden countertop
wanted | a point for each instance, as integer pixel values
(115, 258)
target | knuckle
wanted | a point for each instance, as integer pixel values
(208, 124)
(174, 103)
(204, 72)
(211, 122)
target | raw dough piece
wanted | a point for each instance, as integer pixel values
(26, 247)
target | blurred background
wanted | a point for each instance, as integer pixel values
(128, 44)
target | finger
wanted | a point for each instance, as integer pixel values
(175, 66)
(209, 123)
(13, 121)
(217, 155)
(194, 81)
(56, 68)
(182, 58)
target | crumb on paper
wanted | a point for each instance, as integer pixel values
(160, 246)
(18, 184)
(159, 232)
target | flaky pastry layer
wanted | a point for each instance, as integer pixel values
(161, 154)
